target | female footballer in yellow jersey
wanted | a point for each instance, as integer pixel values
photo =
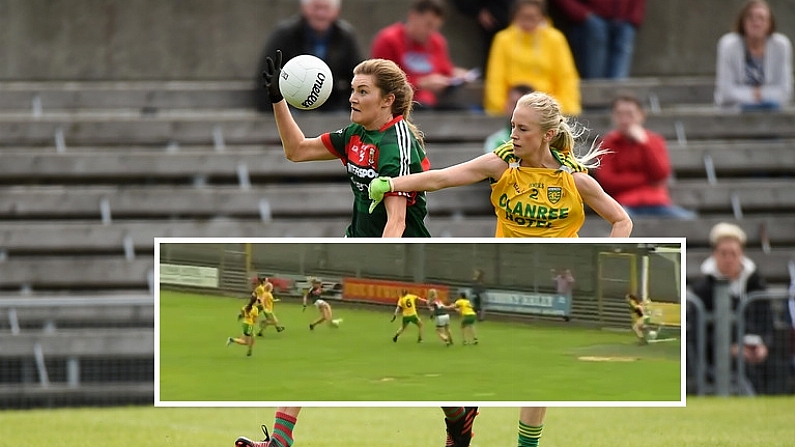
(407, 303)
(538, 184)
(536, 180)
(468, 319)
(265, 304)
(249, 315)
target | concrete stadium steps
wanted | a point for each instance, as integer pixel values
(728, 158)
(126, 95)
(91, 394)
(762, 195)
(329, 200)
(54, 237)
(299, 200)
(76, 272)
(119, 165)
(107, 316)
(776, 229)
(239, 93)
(115, 342)
(207, 127)
(662, 91)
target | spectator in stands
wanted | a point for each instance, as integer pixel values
(564, 284)
(729, 262)
(636, 169)
(319, 31)
(754, 68)
(421, 51)
(479, 293)
(602, 35)
(530, 51)
(499, 137)
(491, 16)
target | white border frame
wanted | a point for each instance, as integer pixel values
(321, 404)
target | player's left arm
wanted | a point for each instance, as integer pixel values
(395, 216)
(604, 205)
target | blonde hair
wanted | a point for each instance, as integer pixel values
(725, 230)
(567, 131)
(390, 79)
(431, 294)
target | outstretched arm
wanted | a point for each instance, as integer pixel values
(461, 174)
(473, 171)
(604, 205)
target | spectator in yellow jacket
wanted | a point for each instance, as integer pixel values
(531, 51)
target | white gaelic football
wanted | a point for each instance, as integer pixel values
(305, 82)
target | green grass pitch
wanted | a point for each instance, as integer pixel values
(359, 362)
(731, 422)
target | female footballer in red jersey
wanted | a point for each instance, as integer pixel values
(379, 141)
(314, 294)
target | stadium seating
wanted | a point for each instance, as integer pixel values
(92, 172)
(91, 349)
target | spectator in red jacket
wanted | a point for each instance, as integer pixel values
(421, 51)
(637, 168)
(602, 35)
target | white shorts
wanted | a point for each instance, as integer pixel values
(320, 304)
(442, 320)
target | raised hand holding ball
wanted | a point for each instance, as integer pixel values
(305, 81)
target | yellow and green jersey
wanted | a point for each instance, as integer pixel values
(465, 307)
(537, 202)
(408, 304)
(635, 308)
(250, 317)
(266, 300)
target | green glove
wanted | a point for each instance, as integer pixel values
(393, 318)
(379, 187)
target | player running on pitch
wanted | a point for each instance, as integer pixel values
(440, 315)
(314, 294)
(249, 315)
(407, 303)
(265, 302)
(468, 318)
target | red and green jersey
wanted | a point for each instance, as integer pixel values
(390, 151)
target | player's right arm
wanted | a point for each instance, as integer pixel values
(296, 146)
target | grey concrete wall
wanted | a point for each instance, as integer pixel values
(222, 39)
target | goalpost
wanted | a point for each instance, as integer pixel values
(621, 272)
(665, 317)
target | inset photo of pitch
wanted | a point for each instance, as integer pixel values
(579, 322)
